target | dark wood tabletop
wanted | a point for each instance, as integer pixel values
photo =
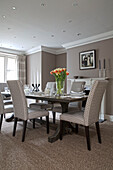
(61, 99)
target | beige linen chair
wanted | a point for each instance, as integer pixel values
(5, 107)
(75, 88)
(45, 105)
(91, 113)
(20, 107)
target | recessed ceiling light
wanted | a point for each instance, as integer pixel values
(9, 28)
(70, 21)
(78, 34)
(13, 7)
(14, 36)
(22, 47)
(34, 36)
(43, 4)
(3, 16)
(75, 4)
(64, 31)
(52, 35)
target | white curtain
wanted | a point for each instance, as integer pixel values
(21, 68)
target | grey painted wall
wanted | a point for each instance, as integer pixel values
(61, 60)
(48, 64)
(104, 50)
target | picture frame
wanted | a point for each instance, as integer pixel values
(87, 60)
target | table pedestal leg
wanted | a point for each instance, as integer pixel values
(56, 135)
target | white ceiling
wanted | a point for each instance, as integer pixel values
(52, 23)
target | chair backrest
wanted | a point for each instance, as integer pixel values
(51, 85)
(19, 99)
(1, 104)
(92, 109)
(77, 86)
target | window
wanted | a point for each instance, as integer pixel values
(8, 67)
(1, 69)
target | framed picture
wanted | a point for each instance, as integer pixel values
(87, 60)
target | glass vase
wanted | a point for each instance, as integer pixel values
(60, 84)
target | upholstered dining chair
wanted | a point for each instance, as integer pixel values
(45, 105)
(91, 112)
(20, 107)
(5, 107)
(76, 87)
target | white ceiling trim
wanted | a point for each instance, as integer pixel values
(33, 50)
(16, 52)
(45, 49)
(53, 51)
(89, 40)
(61, 51)
(49, 50)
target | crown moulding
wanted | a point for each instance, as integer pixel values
(89, 40)
(10, 51)
(45, 49)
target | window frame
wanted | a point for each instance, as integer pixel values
(6, 56)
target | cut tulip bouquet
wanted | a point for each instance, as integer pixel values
(60, 76)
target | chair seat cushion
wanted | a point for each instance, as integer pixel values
(74, 117)
(8, 108)
(32, 113)
(59, 109)
(40, 106)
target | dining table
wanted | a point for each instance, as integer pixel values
(64, 102)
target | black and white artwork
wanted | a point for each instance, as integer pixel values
(87, 60)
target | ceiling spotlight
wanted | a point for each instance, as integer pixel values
(52, 35)
(43, 4)
(13, 7)
(64, 31)
(75, 4)
(9, 28)
(34, 36)
(3, 16)
(70, 21)
(78, 34)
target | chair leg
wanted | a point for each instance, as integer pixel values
(1, 119)
(15, 124)
(98, 131)
(47, 124)
(87, 137)
(24, 130)
(41, 120)
(54, 115)
(76, 130)
(61, 129)
(33, 123)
